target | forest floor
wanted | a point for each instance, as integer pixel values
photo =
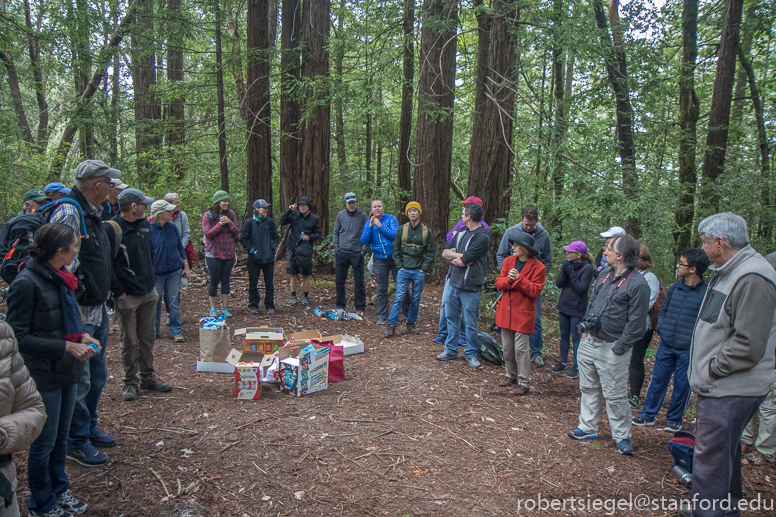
(403, 435)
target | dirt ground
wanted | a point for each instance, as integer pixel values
(403, 435)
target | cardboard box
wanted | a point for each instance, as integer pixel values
(246, 382)
(303, 373)
(262, 339)
(305, 336)
(350, 344)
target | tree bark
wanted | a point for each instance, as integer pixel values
(553, 221)
(175, 108)
(291, 22)
(236, 59)
(436, 95)
(222, 158)
(16, 99)
(37, 75)
(147, 106)
(719, 117)
(339, 117)
(113, 124)
(404, 169)
(82, 69)
(259, 146)
(315, 133)
(272, 22)
(688, 120)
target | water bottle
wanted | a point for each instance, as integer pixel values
(184, 281)
(301, 235)
(318, 312)
(683, 475)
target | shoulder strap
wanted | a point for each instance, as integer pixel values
(424, 229)
(405, 232)
(118, 234)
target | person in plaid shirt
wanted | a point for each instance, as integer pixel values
(219, 224)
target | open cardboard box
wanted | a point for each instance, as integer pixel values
(262, 339)
(350, 344)
(301, 372)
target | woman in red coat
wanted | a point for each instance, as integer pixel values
(521, 281)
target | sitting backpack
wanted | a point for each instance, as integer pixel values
(20, 233)
(682, 448)
(490, 349)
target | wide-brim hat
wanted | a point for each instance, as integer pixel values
(523, 239)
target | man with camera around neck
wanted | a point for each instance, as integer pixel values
(614, 321)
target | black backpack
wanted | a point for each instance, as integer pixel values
(490, 349)
(20, 233)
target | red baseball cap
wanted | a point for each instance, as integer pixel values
(472, 199)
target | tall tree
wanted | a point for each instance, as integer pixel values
(617, 70)
(291, 22)
(490, 155)
(37, 74)
(434, 147)
(175, 107)
(222, 158)
(315, 132)
(236, 58)
(558, 146)
(688, 120)
(719, 116)
(259, 146)
(80, 29)
(404, 170)
(339, 116)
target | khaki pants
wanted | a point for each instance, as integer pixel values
(517, 356)
(765, 440)
(9, 471)
(603, 377)
(136, 316)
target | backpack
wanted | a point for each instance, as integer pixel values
(654, 311)
(20, 233)
(490, 349)
(682, 448)
(118, 234)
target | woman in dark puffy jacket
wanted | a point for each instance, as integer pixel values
(574, 279)
(44, 313)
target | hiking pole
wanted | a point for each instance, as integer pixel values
(493, 306)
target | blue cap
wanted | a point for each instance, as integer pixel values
(260, 203)
(133, 195)
(56, 187)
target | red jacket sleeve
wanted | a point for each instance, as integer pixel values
(531, 280)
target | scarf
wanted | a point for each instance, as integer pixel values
(175, 215)
(258, 218)
(74, 327)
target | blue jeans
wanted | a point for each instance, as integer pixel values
(46, 462)
(467, 302)
(668, 361)
(442, 318)
(168, 287)
(90, 385)
(536, 338)
(403, 279)
(568, 329)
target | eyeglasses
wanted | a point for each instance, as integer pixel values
(680, 263)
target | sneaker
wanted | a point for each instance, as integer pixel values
(178, 338)
(444, 356)
(462, 342)
(100, 438)
(213, 313)
(625, 447)
(270, 311)
(634, 402)
(254, 310)
(473, 362)
(559, 367)
(360, 313)
(390, 331)
(640, 422)
(54, 512)
(672, 427)
(87, 455)
(538, 361)
(226, 312)
(440, 339)
(382, 321)
(294, 300)
(571, 372)
(129, 392)
(157, 385)
(520, 391)
(70, 504)
(412, 329)
(305, 300)
(579, 434)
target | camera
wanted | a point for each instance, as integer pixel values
(588, 324)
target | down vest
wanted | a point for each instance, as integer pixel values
(679, 313)
(22, 414)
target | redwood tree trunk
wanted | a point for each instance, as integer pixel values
(719, 117)
(175, 108)
(82, 69)
(38, 80)
(147, 107)
(16, 98)
(405, 118)
(291, 22)
(236, 59)
(436, 94)
(553, 222)
(259, 147)
(222, 159)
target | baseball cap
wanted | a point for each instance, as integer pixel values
(94, 169)
(160, 205)
(133, 195)
(56, 187)
(117, 183)
(614, 230)
(260, 203)
(577, 247)
(472, 199)
(35, 195)
(350, 196)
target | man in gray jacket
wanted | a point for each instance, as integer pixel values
(731, 360)
(346, 238)
(529, 225)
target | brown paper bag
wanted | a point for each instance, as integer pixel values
(214, 345)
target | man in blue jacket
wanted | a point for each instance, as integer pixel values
(675, 325)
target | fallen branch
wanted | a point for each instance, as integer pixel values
(449, 431)
(169, 496)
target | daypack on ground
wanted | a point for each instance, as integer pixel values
(20, 234)
(490, 349)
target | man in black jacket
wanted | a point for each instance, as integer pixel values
(259, 237)
(346, 238)
(133, 285)
(305, 229)
(92, 267)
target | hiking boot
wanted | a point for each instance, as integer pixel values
(538, 361)
(157, 385)
(507, 382)
(129, 392)
(70, 504)
(440, 339)
(100, 438)
(473, 362)
(571, 372)
(625, 447)
(634, 402)
(641, 422)
(579, 434)
(305, 300)
(390, 331)
(213, 313)
(444, 356)
(254, 310)
(672, 427)
(559, 367)
(270, 311)
(520, 391)
(226, 312)
(87, 455)
(412, 329)
(293, 301)
(178, 338)
(54, 512)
